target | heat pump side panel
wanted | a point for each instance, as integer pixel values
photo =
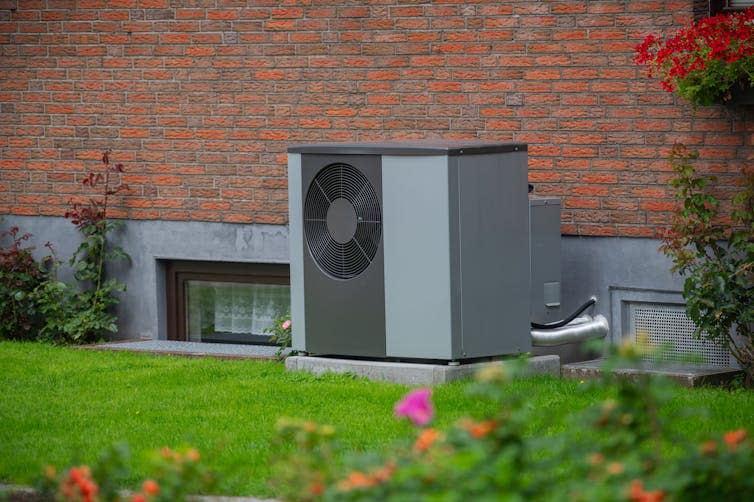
(418, 317)
(296, 247)
(544, 224)
(344, 317)
(493, 253)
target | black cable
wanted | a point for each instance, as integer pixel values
(560, 324)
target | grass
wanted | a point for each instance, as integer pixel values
(61, 405)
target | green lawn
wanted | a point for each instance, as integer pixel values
(62, 405)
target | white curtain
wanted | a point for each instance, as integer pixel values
(238, 308)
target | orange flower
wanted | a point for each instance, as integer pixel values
(316, 489)
(734, 438)
(385, 472)
(596, 459)
(615, 468)
(636, 493)
(426, 439)
(151, 487)
(356, 480)
(50, 472)
(193, 455)
(709, 447)
(78, 485)
(479, 429)
(138, 497)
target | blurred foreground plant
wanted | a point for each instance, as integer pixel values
(177, 475)
(611, 453)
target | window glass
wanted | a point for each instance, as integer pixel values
(232, 312)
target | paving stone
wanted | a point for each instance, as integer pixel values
(687, 375)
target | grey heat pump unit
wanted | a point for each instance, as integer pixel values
(409, 251)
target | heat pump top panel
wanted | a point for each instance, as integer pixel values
(449, 148)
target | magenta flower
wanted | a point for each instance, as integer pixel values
(417, 406)
(286, 324)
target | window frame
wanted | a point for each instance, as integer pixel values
(714, 7)
(179, 272)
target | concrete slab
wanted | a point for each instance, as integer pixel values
(410, 373)
(195, 349)
(18, 493)
(687, 375)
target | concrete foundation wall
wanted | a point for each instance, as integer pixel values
(613, 269)
(151, 244)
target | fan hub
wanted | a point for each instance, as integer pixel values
(341, 220)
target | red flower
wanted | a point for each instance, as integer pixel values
(705, 60)
(637, 493)
(734, 438)
(151, 487)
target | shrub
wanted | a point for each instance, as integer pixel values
(79, 313)
(20, 275)
(716, 256)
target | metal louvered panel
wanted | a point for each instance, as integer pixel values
(669, 325)
(342, 221)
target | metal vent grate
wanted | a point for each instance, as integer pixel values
(342, 221)
(669, 324)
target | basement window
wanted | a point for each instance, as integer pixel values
(225, 302)
(718, 6)
(737, 4)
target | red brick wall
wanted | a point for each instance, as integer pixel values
(200, 99)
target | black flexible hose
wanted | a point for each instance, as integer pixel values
(560, 324)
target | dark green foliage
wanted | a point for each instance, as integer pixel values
(20, 275)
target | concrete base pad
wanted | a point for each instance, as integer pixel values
(409, 373)
(687, 375)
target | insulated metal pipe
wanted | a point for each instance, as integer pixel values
(579, 330)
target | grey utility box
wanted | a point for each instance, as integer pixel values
(544, 216)
(409, 250)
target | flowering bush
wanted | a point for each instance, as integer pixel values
(706, 61)
(77, 484)
(491, 458)
(177, 475)
(716, 257)
(280, 333)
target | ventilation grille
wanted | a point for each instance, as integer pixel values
(342, 221)
(669, 325)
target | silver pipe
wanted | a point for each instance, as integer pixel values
(579, 330)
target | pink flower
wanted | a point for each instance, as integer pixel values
(286, 324)
(417, 406)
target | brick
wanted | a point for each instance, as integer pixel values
(222, 89)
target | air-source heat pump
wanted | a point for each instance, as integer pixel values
(409, 251)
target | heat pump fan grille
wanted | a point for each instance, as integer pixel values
(342, 221)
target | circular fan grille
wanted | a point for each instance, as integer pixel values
(342, 221)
